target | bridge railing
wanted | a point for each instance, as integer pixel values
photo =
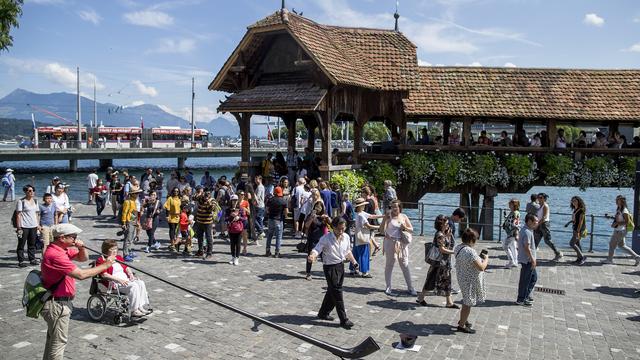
(425, 212)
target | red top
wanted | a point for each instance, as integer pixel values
(184, 221)
(57, 263)
(98, 188)
(109, 271)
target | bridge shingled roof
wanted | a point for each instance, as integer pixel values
(570, 94)
(370, 58)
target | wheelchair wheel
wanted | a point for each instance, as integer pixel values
(97, 307)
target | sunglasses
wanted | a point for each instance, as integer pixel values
(73, 236)
(29, 190)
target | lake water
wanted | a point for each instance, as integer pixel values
(599, 201)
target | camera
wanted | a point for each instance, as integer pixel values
(484, 253)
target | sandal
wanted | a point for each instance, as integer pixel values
(375, 251)
(453, 306)
(421, 302)
(465, 329)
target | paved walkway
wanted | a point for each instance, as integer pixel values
(598, 318)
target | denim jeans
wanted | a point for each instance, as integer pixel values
(528, 279)
(204, 231)
(259, 223)
(151, 233)
(543, 232)
(275, 228)
(10, 192)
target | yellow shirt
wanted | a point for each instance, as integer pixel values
(129, 211)
(173, 205)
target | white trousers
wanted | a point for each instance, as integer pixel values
(510, 247)
(136, 290)
(402, 253)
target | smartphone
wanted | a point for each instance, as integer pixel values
(484, 253)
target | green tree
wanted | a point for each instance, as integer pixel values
(375, 131)
(10, 11)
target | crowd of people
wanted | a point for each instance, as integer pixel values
(247, 210)
(615, 140)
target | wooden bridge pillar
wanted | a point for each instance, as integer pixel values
(358, 125)
(446, 130)
(105, 163)
(73, 165)
(311, 125)
(244, 122)
(325, 120)
(635, 244)
(290, 123)
(181, 163)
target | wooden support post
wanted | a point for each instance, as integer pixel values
(466, 132)
(551, 132)
(73, 165)
(358, 127)
(635, 244)
(325, 126)
(446, 130)
(474, 211)
(105, 163)
(311, 125)
(290, 122)
(465, 204)
(244, 122)
(181, 163)
(487, 217)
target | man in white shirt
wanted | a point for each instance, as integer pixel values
(295, 204)
(92, 180)
(335, 247)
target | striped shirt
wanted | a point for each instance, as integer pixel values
(205, 213)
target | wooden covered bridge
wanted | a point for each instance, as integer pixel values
(289, 66)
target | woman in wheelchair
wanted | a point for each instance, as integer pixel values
(121, 276)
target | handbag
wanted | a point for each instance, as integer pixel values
(362, 238)
(236, 227)
(432, 254)
(148, 223)
(301, 247)
(406, 237)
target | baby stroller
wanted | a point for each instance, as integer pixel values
(105, 299)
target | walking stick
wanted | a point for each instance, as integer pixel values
(365, 348)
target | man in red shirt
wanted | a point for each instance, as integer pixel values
(57, 268)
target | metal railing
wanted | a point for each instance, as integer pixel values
(420, 216)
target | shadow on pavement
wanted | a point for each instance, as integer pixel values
(394, 304)
(607, 290)
(276, 276)
(408, 327)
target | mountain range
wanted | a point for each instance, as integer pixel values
(20, 104)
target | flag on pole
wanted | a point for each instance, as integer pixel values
(33, 121)
(141, 122)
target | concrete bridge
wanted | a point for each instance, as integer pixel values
(106, 156)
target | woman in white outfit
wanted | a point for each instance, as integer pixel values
(394, 223)
(511, 226)
(620, 225)
(123, 277)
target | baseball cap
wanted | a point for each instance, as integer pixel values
(233, 197)
(65, 229)
(277, 191)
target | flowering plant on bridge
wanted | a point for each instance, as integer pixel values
(597, 171)
(415, 169)
(559, 170)
(376, 172)
(627, 170)
(521, 169)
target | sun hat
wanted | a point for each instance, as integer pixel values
(360, 202)
(65, 229)
(9, 170)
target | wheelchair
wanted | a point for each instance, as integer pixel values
(106, 299)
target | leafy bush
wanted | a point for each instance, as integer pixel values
(415, 169)
(597, 171)
(448, 169)
(376, 172)
(350, 182)
(627, 171)
(558, 170)
(521, 169)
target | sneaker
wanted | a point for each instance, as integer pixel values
(584, 260)
(137, 313)
(413, 292)
(389, 292)
(347, 324)
(268, 253)
(156, 245)
(236, 262)
(530, 299)
(367, 275)
(171, 248)
(256, 243)
(524, 303)
(146, 249)
(454, 291)
(133, 254)
(128, 258)
(207, 257)
(277, 254)
(637, 261)
(421, 302)
(34, 262)
(607, 261)
(22, 264)
(233, 261)
(308, 277)
(558, 257)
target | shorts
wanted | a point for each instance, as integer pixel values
(296, 214)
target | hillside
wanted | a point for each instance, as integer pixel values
(12, 128)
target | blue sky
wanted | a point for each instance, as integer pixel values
(147, 52)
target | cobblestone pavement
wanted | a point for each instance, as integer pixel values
(598, 318)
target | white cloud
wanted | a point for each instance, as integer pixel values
(90, 16)
(54, 72)
(510, 65)
(633, 48)
(636, 19)
(145, 90)
(174, 46)
(202, 114)
(593, 20)
(423, 63)
(137, 103)
(167, 109)
(475, 64)
(149, 18)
